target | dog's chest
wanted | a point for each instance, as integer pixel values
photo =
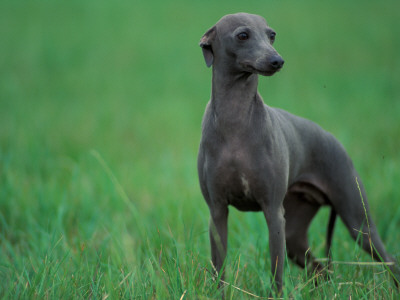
(235, 178)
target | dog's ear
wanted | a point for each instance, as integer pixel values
(206, 46)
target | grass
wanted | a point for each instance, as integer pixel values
(100, 111)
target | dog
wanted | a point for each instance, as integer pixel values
(258, 158)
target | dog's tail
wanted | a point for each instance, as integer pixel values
(331, 227)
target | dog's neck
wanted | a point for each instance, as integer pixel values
(233, 95)
(232, 87)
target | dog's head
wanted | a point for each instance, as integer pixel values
(242, 42)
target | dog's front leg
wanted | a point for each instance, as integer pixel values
(274, 214)
(218, 236)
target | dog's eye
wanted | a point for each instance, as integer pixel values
(243, 36)
(272, 36)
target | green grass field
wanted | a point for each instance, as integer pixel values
(100, 111)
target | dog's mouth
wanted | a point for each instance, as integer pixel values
(268, 72)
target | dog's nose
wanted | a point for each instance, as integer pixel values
(276, 62)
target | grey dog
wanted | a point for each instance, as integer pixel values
(258, 158)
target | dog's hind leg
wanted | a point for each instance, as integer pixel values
(298, 215)
(329, 234)
(352, 207)
(356, 216)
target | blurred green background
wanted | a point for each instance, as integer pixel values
(100, 111)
